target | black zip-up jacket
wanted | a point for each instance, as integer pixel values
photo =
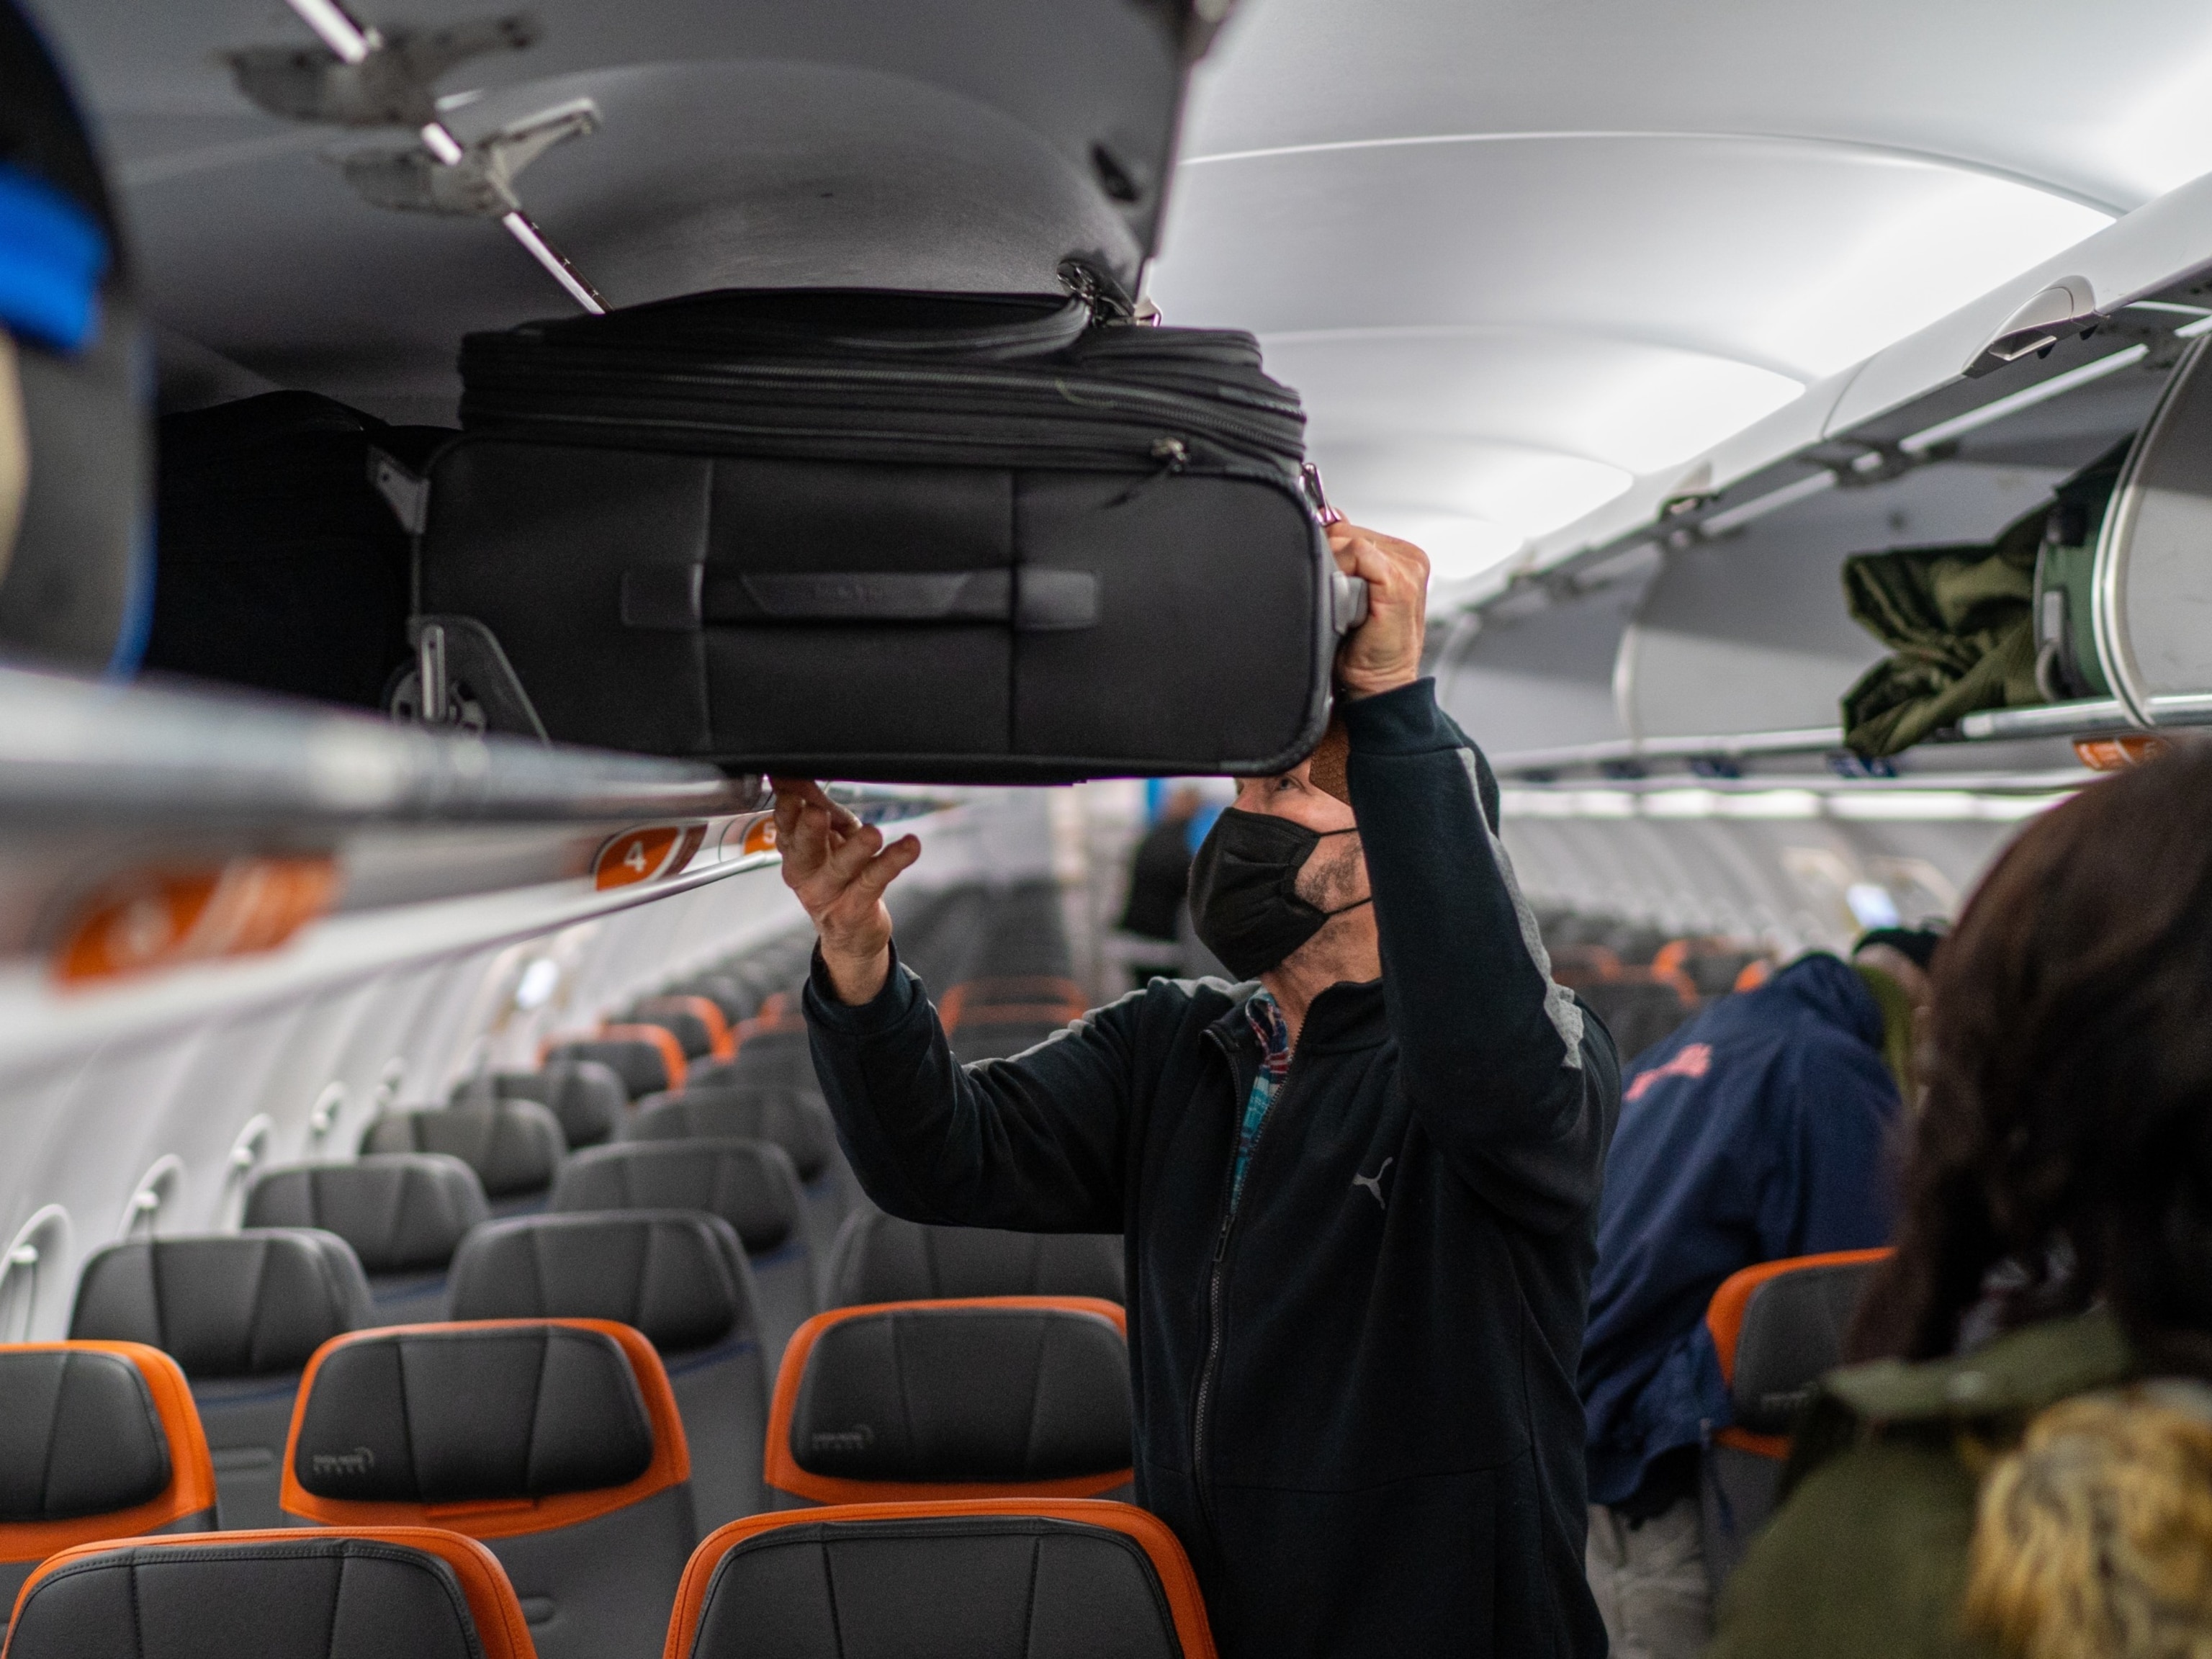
(1355, 1400)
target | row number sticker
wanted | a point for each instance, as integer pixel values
(650, 854)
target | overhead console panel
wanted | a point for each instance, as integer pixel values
(981, 145)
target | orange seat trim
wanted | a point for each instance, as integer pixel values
(1004, 1001)
(723, 1044)
(191, 1489)
(1724, 1313)
(1774, 1446)
(503, 1517)
(1186, 1607)
(781, 1471)
(501, 1627)
(779, 1013)
(671, 1051)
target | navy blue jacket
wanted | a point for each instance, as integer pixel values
(1760, 1130)
(1355, 1404)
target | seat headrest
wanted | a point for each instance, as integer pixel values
(644, 1057)
(1023, 1579)
(401, 1212)
(255, 1303)
(880, 1258)
(698, 1023)
(790, 1118)
(1005, 1396)
(749, 1183)
(98, 1440)
(428, 1594)
(495, 1428)
(677, 1275)
(586, 1096)
(514, 1145)
(1777, 1327)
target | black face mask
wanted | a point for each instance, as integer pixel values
(1243, 891)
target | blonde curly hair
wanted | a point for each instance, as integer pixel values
(2093, 1540)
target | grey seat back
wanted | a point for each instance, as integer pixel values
(515, 1146)
(677, 1275)
(311, 1596)
(587, 1097)
(1790, 1333)
(241, 1313)
(749, 1183)
(557, 1442)
(789, 1118)
(94, 1443)
(880, 1258)
(778, 1058)
(404, 1214)
(989, 1399)
(1111, 1585)
(641, 1065)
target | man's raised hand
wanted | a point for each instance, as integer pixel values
(839, 867)
(1385, 651)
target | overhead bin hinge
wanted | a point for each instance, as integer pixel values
(391, 85)
(481, 184)
(364, 76)
(2069, 306)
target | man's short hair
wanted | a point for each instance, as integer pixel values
(1329, 757)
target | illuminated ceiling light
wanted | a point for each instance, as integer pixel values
(1966, 234)
(2167, 139)
(1459, 548)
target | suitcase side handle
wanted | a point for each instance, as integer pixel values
(683, 597)
(1348, 601)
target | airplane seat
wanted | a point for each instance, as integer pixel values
(881, 1258)
(1638, 1011)
(1777, 1327)
(515, 1146)
(1009, 1579)
(679, 1277)
(988, 1397)
(696, 1023)
(586, 1096)
(100, 1440)
(426, 1593)
(556, 1442)
(796, 1120)
(241, 1313)
(750, 1184)
(737, 1001)
(404, 1213)
(647, 1059)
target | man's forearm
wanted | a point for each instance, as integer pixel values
(857, 977)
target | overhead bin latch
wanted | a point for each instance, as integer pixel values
(390, 86)
(2069, 306)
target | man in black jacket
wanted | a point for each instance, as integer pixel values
(1358, 1197)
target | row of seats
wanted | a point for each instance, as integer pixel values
(683, 1245)
(561, 1445)
(1021, 1581)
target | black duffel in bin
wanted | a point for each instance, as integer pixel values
(889, 537)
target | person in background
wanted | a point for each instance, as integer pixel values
(1159, 881)
(2054, 1241)
(1760, 1130)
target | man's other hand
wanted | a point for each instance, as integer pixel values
(1385, 651)
(839, 868)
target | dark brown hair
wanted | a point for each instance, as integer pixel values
(2065, 1151)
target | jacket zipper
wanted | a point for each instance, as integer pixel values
(1232, 1207)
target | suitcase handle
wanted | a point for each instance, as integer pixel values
(684, 598)
(1348, 601)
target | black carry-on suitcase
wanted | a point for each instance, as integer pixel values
(890, 537)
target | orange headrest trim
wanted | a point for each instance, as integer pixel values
(191, 1489)
(1724, 1313)
(499, 1625)
(1161, 1547)
(781, 1471)
(707, 1012)
(671, 1051)
(508, 1517)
